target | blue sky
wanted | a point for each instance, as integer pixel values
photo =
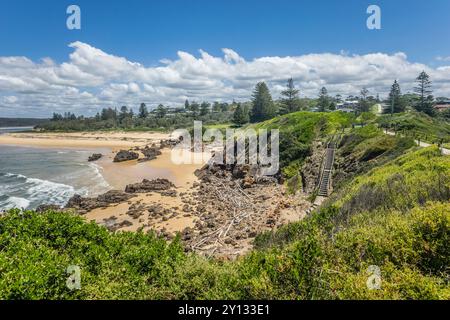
(94, 66)
(151, 30)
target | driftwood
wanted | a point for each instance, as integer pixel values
(242, 207)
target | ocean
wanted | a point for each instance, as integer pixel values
(33, 176)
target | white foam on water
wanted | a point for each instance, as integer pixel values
(49, 192)
(14, 202)
(97, 170)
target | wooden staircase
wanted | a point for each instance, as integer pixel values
(325, 185)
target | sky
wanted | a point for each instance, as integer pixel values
(128, 52)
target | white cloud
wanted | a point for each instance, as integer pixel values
(91, 78)
(445, 59)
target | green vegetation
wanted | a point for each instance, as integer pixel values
(263, 107)
(297, 132)
(20, 122)
(390, 209)
(418, 125)
(396, 217)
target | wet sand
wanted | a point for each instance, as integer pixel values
(118, 175)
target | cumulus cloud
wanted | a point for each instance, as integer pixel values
(91, 78)
(445, 59)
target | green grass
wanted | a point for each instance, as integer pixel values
(395, 214)
(419, 125)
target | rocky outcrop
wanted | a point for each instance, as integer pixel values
(125, 155)
(149, 186)
(48, 207)
(83, 205)
(246, 175)
(149, 153)
(310, 172)
(95, 157)
(169, 143)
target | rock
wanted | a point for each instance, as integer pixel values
(169, 193)
(149, 185)
(149, 153)
(124, 155)
(95, 157)
(248, 182)
(114, 196)
(169, 143)
(47, 207)
(83, 205)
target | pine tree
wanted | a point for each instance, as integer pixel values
(204, 108)
(241, 115)
(364, 104)
(324, 100)
(291, 102)
(263, 107)
(395, 101)
(161, 111)
(143, 112)
(425, 93)
(195, 108)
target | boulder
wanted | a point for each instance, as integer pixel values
(149, 185)
(149, 153)
(95, 157)
(125, 155)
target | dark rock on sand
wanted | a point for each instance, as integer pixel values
(149, 185)
(125, 155)
(95, 157)
(149, 153)
(82, 205)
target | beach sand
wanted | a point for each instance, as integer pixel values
(118, 175)
(97, 139)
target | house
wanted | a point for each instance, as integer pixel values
(348, 106)
(442, 105)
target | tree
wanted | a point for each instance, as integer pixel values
(324, 100)
(161, 111)
(364, 103)
(395, 101)
(263, 107)
(143, 112)
(224, 106)
(216, 107)
(57, 117)
(423, 89)
(195, 108)
(204, 108)
(123, 113)
(108, 114)
(187, 105)
(290, 102)
(241, 115)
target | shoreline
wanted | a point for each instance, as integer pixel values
(95, 139)
(197, 207)
(119, 175)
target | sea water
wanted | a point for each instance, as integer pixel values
(31, 176)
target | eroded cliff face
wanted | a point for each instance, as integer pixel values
(310, 171)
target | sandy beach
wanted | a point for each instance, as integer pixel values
(118, 175)
(97, 139)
